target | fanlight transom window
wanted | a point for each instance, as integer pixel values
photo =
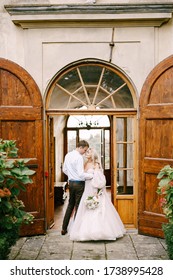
(91, 86)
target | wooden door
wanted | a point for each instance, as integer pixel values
(156, 143)
(50, 178)
(21, 120)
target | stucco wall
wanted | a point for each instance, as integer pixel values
(44, 51)
(61, 47)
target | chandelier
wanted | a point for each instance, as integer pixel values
(88, 121)
(89, 124)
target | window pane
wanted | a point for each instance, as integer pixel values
(90, 74)
(125, 155)
(111, 82)
(107, 149)
(93, 137)
(70, 80)
(124, 129)
(71, 136)
(125, 182)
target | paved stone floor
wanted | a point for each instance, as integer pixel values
(53, 246)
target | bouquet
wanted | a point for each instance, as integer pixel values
(92, 202)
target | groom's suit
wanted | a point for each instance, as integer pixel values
(73, 167)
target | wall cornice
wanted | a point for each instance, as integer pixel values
(93, 9)
(37, 16)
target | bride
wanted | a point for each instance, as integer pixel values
(96, 218)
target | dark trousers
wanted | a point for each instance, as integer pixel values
(76, 190)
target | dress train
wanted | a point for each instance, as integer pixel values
(101, 223)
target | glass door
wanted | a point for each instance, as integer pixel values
(96, 130)
(124, 168)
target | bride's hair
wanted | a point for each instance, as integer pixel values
(96, 158)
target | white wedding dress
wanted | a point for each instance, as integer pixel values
(101, 223)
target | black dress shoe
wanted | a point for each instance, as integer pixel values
(63, 232)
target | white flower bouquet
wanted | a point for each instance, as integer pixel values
(92, 202)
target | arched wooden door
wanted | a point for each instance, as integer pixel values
(156, 143)
(21, 120)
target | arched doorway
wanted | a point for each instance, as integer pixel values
(156, 143)
(90, 88)
(21, 120)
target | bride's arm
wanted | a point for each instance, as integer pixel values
(99, 179)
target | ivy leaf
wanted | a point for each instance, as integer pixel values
(26, 180)
(164, 171)
(9, 163)
(21, 186)
(16, 171)
(171, 175)
(10, 182)
(8, 205)
(27, 171)
(6, 172)
(15, 191)
(161, 174)
(22, 172)
(164, 182)
(1, 178)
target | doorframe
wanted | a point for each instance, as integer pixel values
(90, 111)
(120, 113)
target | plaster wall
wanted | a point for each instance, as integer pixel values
(11, 38)
(44, 51)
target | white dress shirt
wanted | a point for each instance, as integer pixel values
(73, 167)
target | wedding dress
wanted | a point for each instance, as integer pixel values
(101, 223)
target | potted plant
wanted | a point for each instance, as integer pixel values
(14, 175)
(165, 189)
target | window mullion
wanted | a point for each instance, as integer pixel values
(98, 86)
(71, 94)
(111, 94)
(83, 86)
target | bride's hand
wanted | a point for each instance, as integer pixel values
(96, 194)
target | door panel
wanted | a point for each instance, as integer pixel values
(21, 120)
(156, 143)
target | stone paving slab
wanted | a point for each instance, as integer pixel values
(54, 246)
(119, 250)
(89, 251)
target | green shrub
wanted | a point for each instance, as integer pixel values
(168, 233)
(14, 175)
(165, 190)
(7, 239)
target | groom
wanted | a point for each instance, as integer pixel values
(74, 168)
